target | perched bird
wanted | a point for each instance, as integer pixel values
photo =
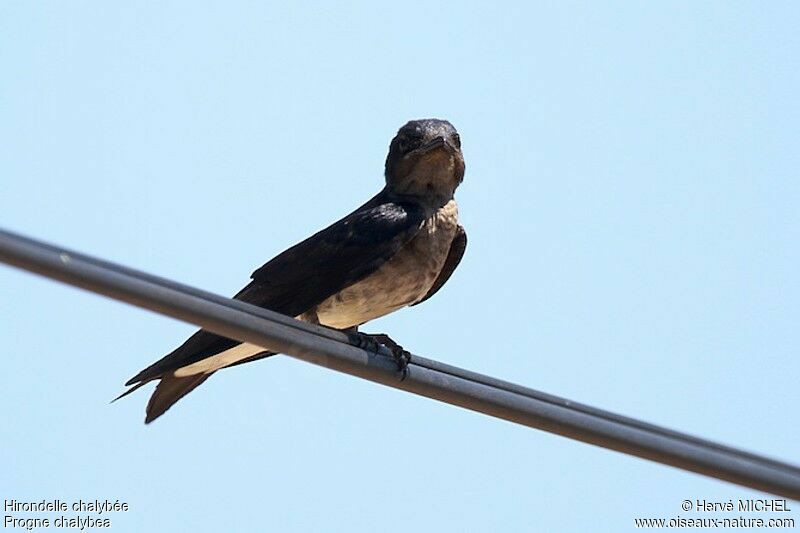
(396, 250)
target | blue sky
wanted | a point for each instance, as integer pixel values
(630, 198)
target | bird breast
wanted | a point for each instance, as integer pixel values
(403, 280)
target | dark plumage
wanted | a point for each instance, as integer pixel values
(397, 249)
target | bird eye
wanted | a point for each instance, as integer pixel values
(407, 143)
(457, 140)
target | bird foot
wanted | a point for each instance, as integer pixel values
(373, 342)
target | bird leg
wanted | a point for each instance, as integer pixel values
(372, 342)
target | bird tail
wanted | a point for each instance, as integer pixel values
(169, 390)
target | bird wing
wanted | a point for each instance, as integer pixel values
(308, 273)
(454, 256)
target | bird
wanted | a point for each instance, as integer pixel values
(396, 250)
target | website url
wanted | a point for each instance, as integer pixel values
(663, 523)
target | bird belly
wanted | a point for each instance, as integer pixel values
(403, 280)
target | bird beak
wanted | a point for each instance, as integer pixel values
(436, 144)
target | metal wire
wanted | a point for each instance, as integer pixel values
(329, 348)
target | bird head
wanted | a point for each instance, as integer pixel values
(425, 161)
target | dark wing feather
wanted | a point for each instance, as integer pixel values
(309, 272)
(200, 345)
(336, 257)
(454, 256)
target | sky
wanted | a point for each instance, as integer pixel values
(631, 200)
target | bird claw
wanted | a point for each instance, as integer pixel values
(364, 341)
(373, 343)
